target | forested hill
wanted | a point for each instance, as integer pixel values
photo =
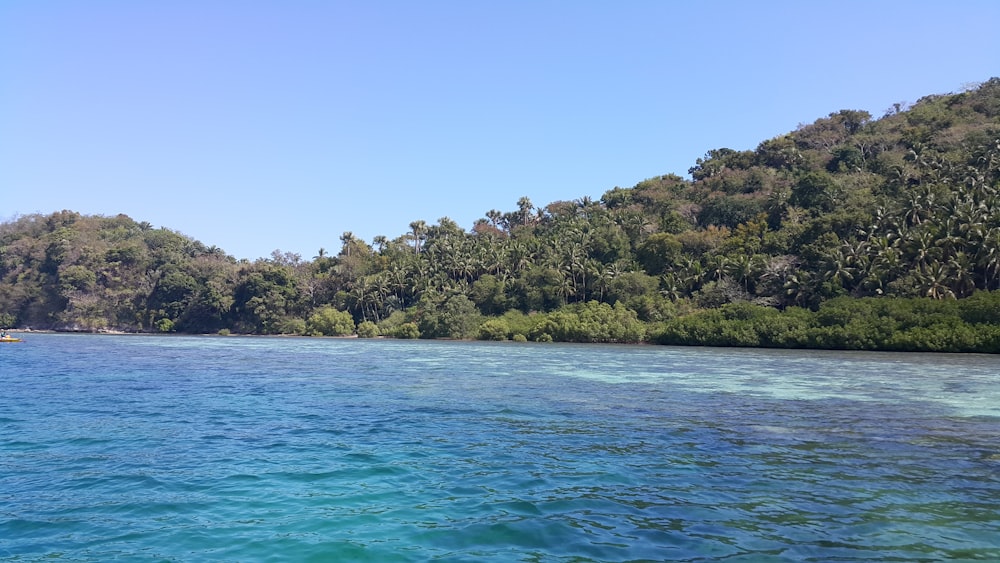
(853, 231)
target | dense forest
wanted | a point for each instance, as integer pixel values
(851, 232)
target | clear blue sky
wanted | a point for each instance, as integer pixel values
(263, 125)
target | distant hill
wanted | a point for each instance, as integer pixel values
(850, 206)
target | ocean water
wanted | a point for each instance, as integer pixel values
(142, 448)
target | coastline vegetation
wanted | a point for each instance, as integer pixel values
(847, 233)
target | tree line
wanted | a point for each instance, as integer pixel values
(896, 215)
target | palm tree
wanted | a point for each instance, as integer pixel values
(717, 266)
(524, 207)
(347, 239)
(988, 258)
(799, 288)
(934, 281)
(962, 282)
(418, 230)
(519, 256)
(494, 218)
(740, 268)
(923, 248)
(671, 287)
(357, 296)
(839, 270)
(692, 275)
(399, 282)
(885, 267)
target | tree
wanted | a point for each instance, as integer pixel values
(455, 316)
(816, 191)
(347, 240)
(524, 210)
(265, 294)
(659, 253)
(418, 231)
(489, 295)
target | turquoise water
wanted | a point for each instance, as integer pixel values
(139, 448)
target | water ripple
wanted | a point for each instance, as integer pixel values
(253, 449)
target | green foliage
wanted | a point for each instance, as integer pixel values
(730, 210)
(367, 329)
(914, 324)
(493, 329)
(389, 325)
(541, 289)
(291, 325)
(7, 320)
(589, 322)
(736, 324)
(659, 252)
(328, 321)
(815, 190)
(519, 323)
(406, 331)
(454, 316)
(630, 285)
(489, 294)
(77, 278)
(264, 295)
(983, 307)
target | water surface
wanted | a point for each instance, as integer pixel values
(139, 448)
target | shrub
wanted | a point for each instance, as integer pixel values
(593, 322)
(407, 331)
(493, 329)
(452, 317)
(518, 322)
(328, 321)
(367, 329)
(981, 307)
(390, 324)
(290, 325)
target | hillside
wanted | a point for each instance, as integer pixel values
(903, 208)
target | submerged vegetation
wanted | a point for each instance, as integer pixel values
(847, 233)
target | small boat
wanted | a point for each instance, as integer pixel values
(8, 338)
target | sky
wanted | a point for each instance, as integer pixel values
(257, 126)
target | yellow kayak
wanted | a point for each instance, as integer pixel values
(9, 339)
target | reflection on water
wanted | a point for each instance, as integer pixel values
(252, 448)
